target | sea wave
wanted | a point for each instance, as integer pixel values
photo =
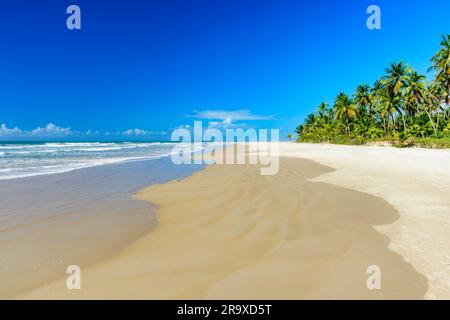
(15, 173)
(28, 159)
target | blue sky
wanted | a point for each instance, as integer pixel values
(137, 69)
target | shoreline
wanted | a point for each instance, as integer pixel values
(246, 246)
(82, 217)
(416, 181)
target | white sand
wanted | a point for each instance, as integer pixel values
(415, 181)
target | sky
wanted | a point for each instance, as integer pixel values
(136, 69)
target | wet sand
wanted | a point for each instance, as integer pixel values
(228, 232)
(81, 217)
(415, 181)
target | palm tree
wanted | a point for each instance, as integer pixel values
(376, 94)
(322, 110)
(345, 109)
(378, 86)
(396, 79)
(414, 93)
(431, 103)
(375, 111)
(441, 66)
(363, 98)
(389, 102)
(300, 130)
(310, 119)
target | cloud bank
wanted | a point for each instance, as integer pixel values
(50, 130)
(217, 119)
(53, 132)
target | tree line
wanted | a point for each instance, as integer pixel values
(400, 106)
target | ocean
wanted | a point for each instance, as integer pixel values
(25, 159)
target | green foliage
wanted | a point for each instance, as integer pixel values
(400, 108)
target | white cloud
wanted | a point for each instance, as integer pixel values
(183, 126)
(137, 132)
(5, 131)
(221, 119)
(92, 133)
(52, 131)
(49, 130)
(228, 116)
(226, 124)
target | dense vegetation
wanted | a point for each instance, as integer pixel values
(402, 108)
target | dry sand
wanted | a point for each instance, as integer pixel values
(228, 232)
(416, 182)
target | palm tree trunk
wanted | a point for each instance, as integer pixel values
(438, 120)
(404, 123)
(431, 120)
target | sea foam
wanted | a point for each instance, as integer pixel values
(19, 160)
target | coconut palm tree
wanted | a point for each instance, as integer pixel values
(373, 112)
(363, 98)
(345, 109)
(414, 93)
(322, 110)
(431, 104)
(396, 80)
(310, 119)
(396, 77)
(389, 102)
(377, 106)
(441, 67)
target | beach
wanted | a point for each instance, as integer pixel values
(416, 182)
(50, 221)
(225, 150)
(309, 232)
